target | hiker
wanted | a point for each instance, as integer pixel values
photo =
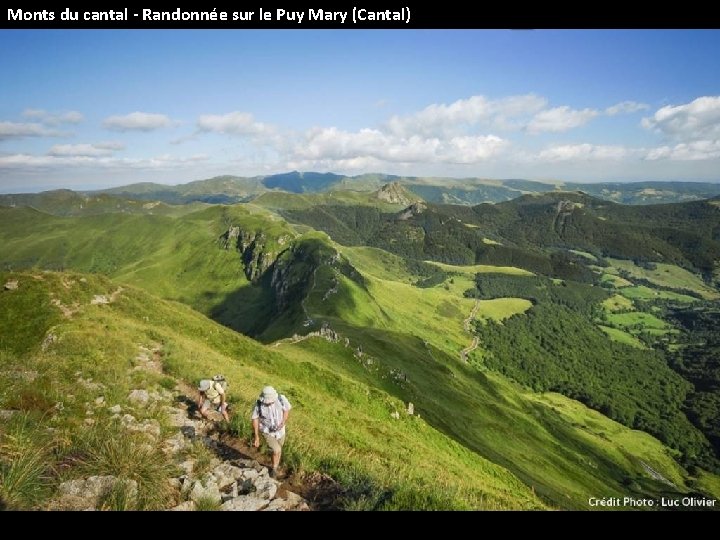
(270, 416)
(212, 394)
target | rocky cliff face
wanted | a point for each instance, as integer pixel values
(257, 252)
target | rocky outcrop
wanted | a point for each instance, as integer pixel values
(229, 239)
(394, 193)
(254, 250)
(88, 493)
(255, 255)
(563, 211)
(412, 210)
(325, 332)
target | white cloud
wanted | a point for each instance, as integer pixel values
(137, 121)
(626, 107)
(697, 120)
(442, 119)
(55, 162)
(332, 144)
(86, 150)
(560, 119)
(53, 119)
(472, 149)
(583, 152)
(234, 123)
(19, 130)
(438, 134)
(691, 151)
(110, 145)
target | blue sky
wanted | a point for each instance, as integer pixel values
(101, 108)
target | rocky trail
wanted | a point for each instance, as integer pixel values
(231, 476)
(466, 324)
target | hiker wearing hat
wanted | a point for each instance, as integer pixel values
(269, 416)
(212, 394)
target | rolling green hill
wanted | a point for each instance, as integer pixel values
(70, 203)
(382, 324)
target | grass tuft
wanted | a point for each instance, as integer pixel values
(24, 478)
(109, 450)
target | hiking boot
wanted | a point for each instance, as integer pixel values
(272, 473)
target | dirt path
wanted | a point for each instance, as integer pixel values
(467, 350)
(656, 475)
(292, 340)
(466, 324)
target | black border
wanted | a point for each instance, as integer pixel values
(450, 15)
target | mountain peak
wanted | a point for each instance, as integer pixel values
(395, 193)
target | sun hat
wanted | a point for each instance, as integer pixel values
(205, 385)
(269, 395)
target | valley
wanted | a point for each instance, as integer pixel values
(555, 347)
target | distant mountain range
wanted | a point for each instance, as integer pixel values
(467, 191)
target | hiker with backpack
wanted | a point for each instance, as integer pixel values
(212, 395)
(269, 417)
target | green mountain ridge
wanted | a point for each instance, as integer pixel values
(393, 325)
(529, 230)
(229, 189)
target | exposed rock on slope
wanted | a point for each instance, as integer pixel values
(412, 210)
(227, 484)
(254, 248)
(394, 193)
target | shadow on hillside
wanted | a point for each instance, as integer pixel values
(248, 310)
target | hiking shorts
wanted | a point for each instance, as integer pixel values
(274, 443)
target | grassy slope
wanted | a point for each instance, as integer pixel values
(642, 292)
(411, 338)
(617, 303)
(670, 276)
(481, 269)
(392, 322)
(563, 459)
(622, 337)
(339, 424)
(178, 259)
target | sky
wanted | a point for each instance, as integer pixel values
(98, 108)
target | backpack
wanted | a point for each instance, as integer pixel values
(220, 379)
(210, 388)
(259, 403)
